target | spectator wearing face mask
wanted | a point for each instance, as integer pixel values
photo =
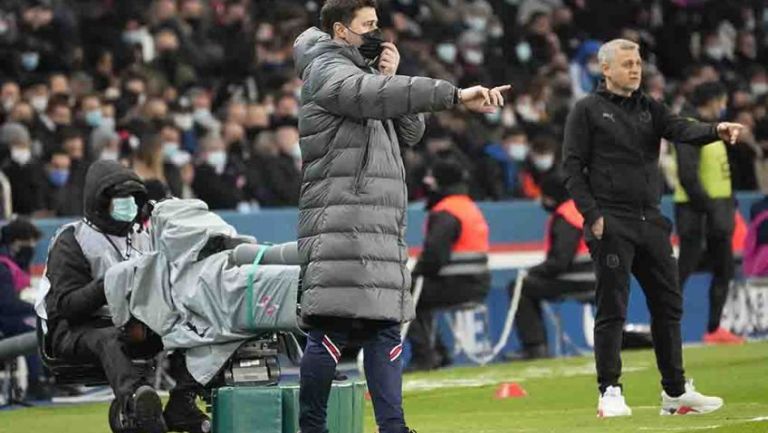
(63, 193)
(24, 171)
(585, 69)
(497, 173)
(219, 179)
(274, 174)
(105, 144)
(540, 161)
(174, 158)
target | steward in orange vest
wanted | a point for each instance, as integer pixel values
(454, 261)
(567, 268)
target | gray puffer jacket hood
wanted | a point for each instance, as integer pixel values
(352, 209)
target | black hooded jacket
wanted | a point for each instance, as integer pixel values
(75, 295)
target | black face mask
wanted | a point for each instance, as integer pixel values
(23, 257)
(371, 48)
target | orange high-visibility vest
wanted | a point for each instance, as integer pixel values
(567, 210)
(474, 228)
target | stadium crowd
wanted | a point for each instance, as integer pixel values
(200, 97)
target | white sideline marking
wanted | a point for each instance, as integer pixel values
(494, 378)
(758, 419)
(703, 427)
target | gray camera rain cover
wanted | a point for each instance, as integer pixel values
(205, 306)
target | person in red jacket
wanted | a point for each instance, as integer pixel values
(454, 262)
(567, 268)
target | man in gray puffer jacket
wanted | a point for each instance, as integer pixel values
(355, 114)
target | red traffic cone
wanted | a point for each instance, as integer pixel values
(510, 390)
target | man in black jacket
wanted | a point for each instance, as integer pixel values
(611, 156)
(566, 254)
(454, 262)
(72, 301)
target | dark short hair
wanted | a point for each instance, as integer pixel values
(342, 11)
(707, 92)
(19, 229)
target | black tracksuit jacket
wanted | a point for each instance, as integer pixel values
(611, 153)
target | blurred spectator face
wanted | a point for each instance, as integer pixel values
(10, 94)
(215, 153)
(624, 69)
(201, 100)
(235, 13)
(759, 84)
(135, 90)
(446, 52)
(746, 118)
(287, 138)
(233, 133)
(166, 41)
(265, 144)
(540, 24)
(20, 146)
(562, 16)
(237, 112)
(655, 86)
(516, 145)
(58, 169)
(59, 84)
(37, 16)
(155, 108)
(61, 115)
(22, 113)
(74, 147)
(747, 45)
(257, 116)
(91, 111)
(164, 10)
(191, 9)
(543, 161)
(37, 95)
(713, 47)
(438, 144)
(741, 99)
(105, 64)
(287, 106)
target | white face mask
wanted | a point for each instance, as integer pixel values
(474, 56)
(184, 121)
(8, 103)
(170, 148)
(39, 103)
(296, 152)
(544, 162)
(476, 23)
(446, 52)
(594, 68)
(715, 52)
(21, 155)
(181, 158)
(523, 51)
(218, 160)
(518, 151)
(759, 88)
(109, 155)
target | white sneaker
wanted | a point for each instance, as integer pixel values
(612, 404)
(691, 402)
